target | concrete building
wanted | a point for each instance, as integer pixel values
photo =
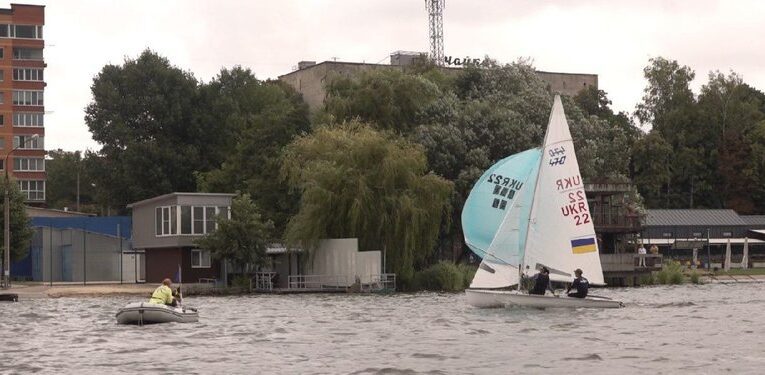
(165, 228)
(335, 263)
(22, 109)
(309, 79)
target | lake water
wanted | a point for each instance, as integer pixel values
(682, 329)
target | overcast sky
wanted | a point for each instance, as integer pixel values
(613, 39)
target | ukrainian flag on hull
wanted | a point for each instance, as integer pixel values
(583, 245)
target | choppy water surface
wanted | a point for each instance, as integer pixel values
(694, 329)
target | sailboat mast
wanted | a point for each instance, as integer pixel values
(536, 187)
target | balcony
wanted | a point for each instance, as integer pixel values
(614, 219)
(629, 262)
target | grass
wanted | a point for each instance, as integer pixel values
(671, 273)
(739, 271)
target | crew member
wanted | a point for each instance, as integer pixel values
(164, 294)
(542, 282)
(580, 284)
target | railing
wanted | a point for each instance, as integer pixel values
(614, 218)
(385, 282)
(318, 282)
(629, 262)
(264, 280)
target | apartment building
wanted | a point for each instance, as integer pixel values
(22, 106)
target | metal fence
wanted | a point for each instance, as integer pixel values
(317, 282)
(77, 255)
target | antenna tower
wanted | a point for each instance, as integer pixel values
(436, 27)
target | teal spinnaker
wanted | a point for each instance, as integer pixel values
(495, 217)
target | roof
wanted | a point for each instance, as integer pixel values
(106, 225)
(753, 219)
(51, 212)
(146, 201)
(694, 217)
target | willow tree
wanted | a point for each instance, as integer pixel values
(372, 185)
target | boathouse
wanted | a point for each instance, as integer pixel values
(679, 233)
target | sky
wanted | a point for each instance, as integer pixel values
(613, 39)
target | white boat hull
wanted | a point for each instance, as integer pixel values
(149, 313)
(500, 298)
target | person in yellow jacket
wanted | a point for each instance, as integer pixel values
(164, 294)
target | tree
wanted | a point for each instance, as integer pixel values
(265, 116)
(243, 239)
(384, 98)
(732, 110)
(63, 169)
(372, 185)
(20, 227)
(670, 107)
(146, 115)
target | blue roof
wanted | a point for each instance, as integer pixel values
(106, 225)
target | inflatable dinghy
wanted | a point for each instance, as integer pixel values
(149, 313)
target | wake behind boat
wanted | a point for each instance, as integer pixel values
(527, 212)
(148, 313)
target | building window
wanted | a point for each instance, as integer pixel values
(188, 220)
(28, 97)
(727, 234)
(27, 74)
(200, 258)
(28, 164)
(2, 97)
(28, 119)
(33, 190)
(2, 143)
(27, 53)
(199, 220)
(27, 142)
(2, 120)
(21, 31)
(2, 53)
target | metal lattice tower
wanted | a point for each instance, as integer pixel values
(436, 27)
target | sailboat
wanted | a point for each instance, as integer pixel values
(530, 211)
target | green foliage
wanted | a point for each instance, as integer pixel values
(671, 273)
(694, 277)
(145, 115)
(243, 239)
(266, 116)
(241, 282)
(648, 279)
(20, 228)
(62, 169)
(445, 276)
(372, 185)
(700, 152)
(384, 98)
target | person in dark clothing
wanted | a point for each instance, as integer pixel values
(580, 284)
(542, 282)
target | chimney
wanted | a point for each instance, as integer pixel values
(305, 64)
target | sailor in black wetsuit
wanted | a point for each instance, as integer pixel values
(580, 284)
(542, 282)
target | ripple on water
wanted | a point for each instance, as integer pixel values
(406, 333)
(589, 357)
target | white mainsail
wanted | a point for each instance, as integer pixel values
(560, 234)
